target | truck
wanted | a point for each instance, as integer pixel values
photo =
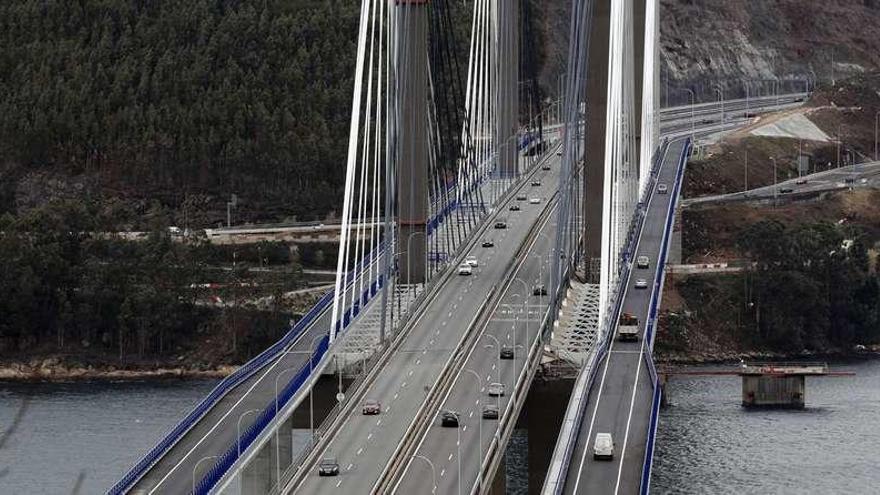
(628, 328)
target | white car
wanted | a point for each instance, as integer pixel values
(465, 269)
(472, 261)
(535, 201)
(603, 447)
(641, 284)
(496, 389)
(662, 189)
(643, 262)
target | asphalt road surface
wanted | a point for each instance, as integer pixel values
(620, 399)
(363, 445)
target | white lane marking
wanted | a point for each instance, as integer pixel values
(378, 422)
(369, 436)
(442, 472)
(493, 366)
(488, 377)
(418, 362)
(449, 458)
(350, 465)
(403, 385)
(338, 483)
(424, 351)
(360, 450)
(395, 396)
(410, 372)
(464, 428)
(471, 415)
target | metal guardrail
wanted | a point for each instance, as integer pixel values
(555, 481)
(227, 384)
(228, 459)
(650, 327)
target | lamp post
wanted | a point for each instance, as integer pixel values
(238, 428)
(498, 363)
(693, 113)
(775, 181)
(479, 424)
(196, 467)
(876, 128)
(720, 91)
(433, 470)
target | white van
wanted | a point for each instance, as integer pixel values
(643, 262)
(465, 269)
(603, 447)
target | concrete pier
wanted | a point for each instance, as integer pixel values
(777, 385)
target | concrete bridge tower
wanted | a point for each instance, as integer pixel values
(411, 144)
(507, 95)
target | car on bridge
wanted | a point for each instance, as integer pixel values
(536, 183)
(603, 447)
(786, 190)
(371, 407)
(521, 197)
(496, 389)
(535, 201)
(506, 352)
(449, 419)
(500, 224)
(490, 411)
(662, 189)
(487, 243)
(628, 328)
(514, 207)
(642, 262)
(472, 261)
(539, 290)
(465, 269)
(328, 467)
(545, 166)
(641, 284)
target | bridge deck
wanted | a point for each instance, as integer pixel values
(620, 399)
(363, 445)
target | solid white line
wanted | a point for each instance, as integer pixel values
(632, 402)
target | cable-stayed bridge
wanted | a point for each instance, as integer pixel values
(485, 229)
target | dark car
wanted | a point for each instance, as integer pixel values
(539, 290)
(449, 419)
(545, 167)
(371, 407)
(521, 197)
(536, 183)
(785, 190)
(490, 411)
(500, 225)
(506, 352)
(514, 208)
(328, 467)
(488, 243)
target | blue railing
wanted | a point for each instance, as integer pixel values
(650, 327)
(228, 383)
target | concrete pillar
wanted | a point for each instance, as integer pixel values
(773, 391)
(411, 70)
(507, 94)
(594, 138)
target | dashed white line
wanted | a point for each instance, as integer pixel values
(360, 450)
(338, 483)
(442, 472)
(449, 458)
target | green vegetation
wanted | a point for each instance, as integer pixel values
(67, 289)
(811, 286)
(175, 100)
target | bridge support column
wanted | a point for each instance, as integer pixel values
(411, 154)
(507, 95)
(594, 138)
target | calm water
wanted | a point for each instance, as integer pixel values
(85, 434)
(707, 443)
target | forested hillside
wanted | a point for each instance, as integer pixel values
(129, 102)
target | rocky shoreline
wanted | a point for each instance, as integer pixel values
(695, 358)
(54, 370)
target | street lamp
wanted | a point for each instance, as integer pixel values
(876, 127)
(433, 470)
(693, 114)
(238, 428)
(498, 364)
(196, 467)
(720, 91)
(479, 423)
(775, 188)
